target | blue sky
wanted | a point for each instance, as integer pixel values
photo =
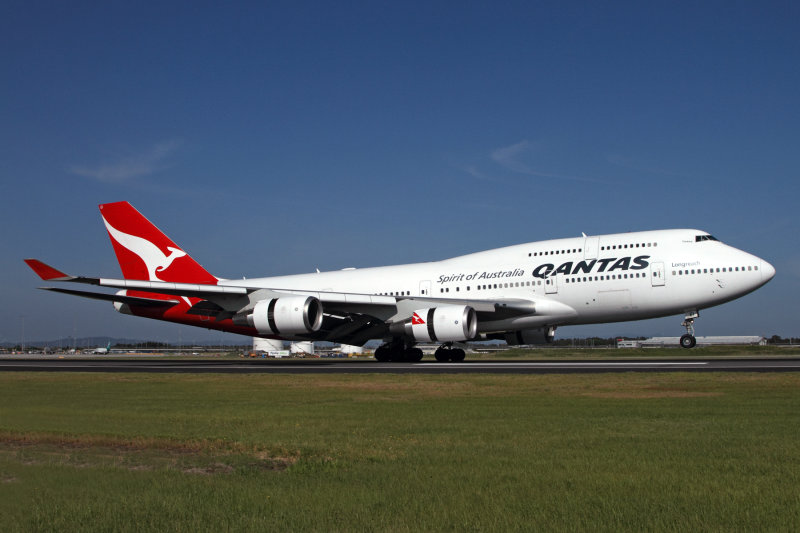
(282, 137)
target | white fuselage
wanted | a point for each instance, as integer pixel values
(583, 280)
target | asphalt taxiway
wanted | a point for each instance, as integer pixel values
(318, 366)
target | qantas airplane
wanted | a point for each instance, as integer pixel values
(519, 293)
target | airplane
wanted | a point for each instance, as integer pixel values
(100, 350)
(519, 293)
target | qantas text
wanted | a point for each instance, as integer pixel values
(607, 264)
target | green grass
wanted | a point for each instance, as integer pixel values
(111, 452)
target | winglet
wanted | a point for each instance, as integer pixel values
(46, 272)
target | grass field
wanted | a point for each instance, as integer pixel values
(609, 452)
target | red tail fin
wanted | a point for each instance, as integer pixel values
(144, 252)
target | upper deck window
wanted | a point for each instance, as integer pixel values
(699, 238)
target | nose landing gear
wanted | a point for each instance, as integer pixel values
(688, 340)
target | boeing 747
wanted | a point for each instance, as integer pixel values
(519, 294)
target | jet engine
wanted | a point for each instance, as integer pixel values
(446, 323)
(543, 335)
(291, 315)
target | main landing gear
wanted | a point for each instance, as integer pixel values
(688, 340)
(446, 352)
(396, 351)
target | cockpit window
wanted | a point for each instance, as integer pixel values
(699, 238)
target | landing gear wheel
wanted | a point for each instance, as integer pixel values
(444, 354)
(414, 355)
(383, 354)
(457, 355)
(688, 341)
(390, 351)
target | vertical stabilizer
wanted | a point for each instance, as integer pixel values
(144, 252)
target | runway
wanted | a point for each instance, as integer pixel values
(318, 366)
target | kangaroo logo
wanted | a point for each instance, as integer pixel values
(152, 256)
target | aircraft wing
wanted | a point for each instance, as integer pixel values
(130, 300)
(350, 317)
(385, 306)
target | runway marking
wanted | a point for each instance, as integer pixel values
(589, 364)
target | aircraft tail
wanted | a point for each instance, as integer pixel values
(144, 252)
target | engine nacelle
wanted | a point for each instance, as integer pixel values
(543, 335)
(447, 323)
(291, 315)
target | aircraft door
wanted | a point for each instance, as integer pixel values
(425, 288)
(657, 274)
(551, 284)
(590, 246)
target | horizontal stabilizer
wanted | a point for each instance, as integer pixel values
(46, 272)
(130, 300)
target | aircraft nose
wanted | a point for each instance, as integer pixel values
(767, 271)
